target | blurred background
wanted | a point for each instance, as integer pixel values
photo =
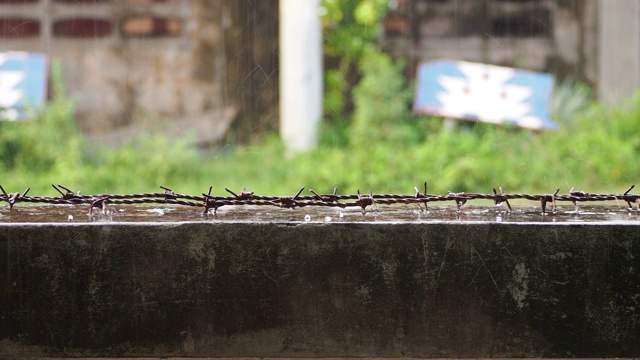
(274, 95)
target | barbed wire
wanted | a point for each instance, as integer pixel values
(210, 202)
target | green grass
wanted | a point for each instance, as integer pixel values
(595, 150)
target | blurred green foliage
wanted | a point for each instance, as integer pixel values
(351, 26)
(594, 150)
(356, 65)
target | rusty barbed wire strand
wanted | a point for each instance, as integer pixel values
(211, 202)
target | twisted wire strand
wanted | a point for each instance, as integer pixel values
(363, 201)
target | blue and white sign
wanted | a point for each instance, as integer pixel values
(23, 83)
(487, 93)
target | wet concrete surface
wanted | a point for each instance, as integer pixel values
(613, 214)
(149, 281)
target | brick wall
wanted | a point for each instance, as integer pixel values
(130, 62)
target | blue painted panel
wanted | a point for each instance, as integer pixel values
(488, 93)
(23, 83)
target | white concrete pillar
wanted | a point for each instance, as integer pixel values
(300, 73)
(618, 49)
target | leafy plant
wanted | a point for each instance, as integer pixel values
(381, 100)
(350, 28)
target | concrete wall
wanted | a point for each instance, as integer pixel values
(551, 36)
(131, 62)
(341, 289)
(619, 50)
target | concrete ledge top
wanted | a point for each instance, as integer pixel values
(398, 214)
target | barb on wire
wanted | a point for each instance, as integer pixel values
(210, 202)
(546, 198)
(460, 199)
(13, 198)
(99, 203)
(418, 195)
(363, 201)
(291, 202)
(328, 198)
(168, 193)
(244, 194)
(366, 200)
(631, 198)
(500, 199)
(68, 194)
